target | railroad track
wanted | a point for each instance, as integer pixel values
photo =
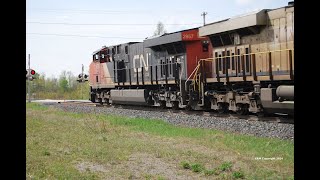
(250, 117)
(77, 103)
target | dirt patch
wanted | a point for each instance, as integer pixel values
(183, 144)
(93, 167)
(142, 165)
(215, 156)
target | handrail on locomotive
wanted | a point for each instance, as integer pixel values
(197, 76)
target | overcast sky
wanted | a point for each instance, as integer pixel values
(62, 34)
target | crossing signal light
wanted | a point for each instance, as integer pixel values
(82, 78)
(30, 74)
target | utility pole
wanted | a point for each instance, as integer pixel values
(29, 100)
(204, 17)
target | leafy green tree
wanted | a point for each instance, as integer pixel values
(64, 87)
(63, 82)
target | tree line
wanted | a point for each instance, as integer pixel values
(65, 86)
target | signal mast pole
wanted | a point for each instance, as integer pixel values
(81, 84)
(29, 100)
(82, 77)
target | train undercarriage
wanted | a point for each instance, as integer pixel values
(246, 98)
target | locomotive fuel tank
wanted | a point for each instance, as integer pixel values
(285, 92)
(278, 100)
(130, 96)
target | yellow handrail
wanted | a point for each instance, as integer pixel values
(195, 78)
(210, 59)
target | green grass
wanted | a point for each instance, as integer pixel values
(256, 146)
(57, 141)
(225, 166)
(197, 167)
(209, 172)
(35, 106)
(223, 170)
(238, 175)
(185, 165)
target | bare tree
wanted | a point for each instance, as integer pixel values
(160, 29)
(71, 79)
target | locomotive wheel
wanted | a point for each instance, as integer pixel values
(100, 101)
(246, 110)
(261, 113)
(175, 105)
(107, 101)
(163, 104)
(221, 108)
(93, 97)
(241, 109)
(189, 108)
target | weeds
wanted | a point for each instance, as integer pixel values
(226, 166)
(238, 174)
(160, 178)
(209, 172)
(46, 153)
(197, 167)
(185, 165)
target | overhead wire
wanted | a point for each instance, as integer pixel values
(78, 35)
(103, 24)
(98, 11)
(85, 11)
(94, 24)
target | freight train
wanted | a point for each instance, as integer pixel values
(243, 64)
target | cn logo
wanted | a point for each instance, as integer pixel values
(142, 62)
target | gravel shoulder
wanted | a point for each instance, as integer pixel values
(241, 126)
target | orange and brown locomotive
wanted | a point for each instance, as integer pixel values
(244, 64)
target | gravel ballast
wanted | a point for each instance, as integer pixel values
(230, 124)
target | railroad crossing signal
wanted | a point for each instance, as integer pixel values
(82, 77)
(30, 74)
